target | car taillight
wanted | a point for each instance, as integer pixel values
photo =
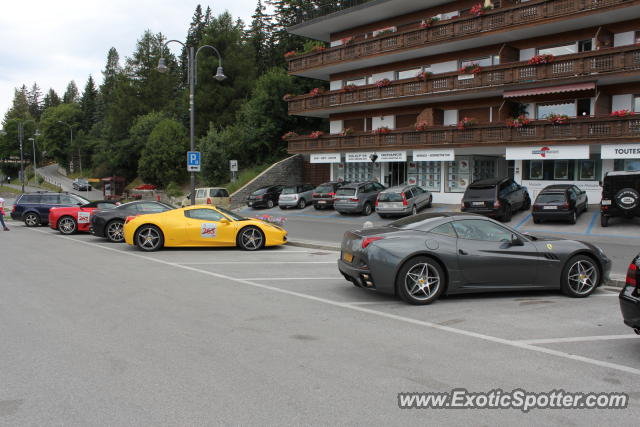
(258, 197)
(631, 274)
(129, 218)
(331, 194)
(314, 194)
(354, 199)
(369, 240)
(565, 205)
(377, 199)
(13, 209)
(496, 204)
(208, 200)
(404, 200)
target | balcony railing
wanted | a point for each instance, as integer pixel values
(531, 12)
(587, 64)
(309, 10)
(603, 129)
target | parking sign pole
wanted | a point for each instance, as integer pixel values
(192, 116)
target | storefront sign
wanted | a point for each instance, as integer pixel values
(392, 156)
(544, 152)
(357, 157)
(621, 151)
(325, 158)
(433, 155)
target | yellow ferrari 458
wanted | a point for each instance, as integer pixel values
(200, 226)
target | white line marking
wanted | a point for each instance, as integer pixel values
(293, 278)
(409, 320)
(254, 262)
(580, 339)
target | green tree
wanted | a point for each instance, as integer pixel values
(88, 104)
(51, 99)
(20, 105)
(34, 98)
(71, 94)
(261, 37)
(163, 159)
(55, 136)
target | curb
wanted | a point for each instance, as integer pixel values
(325, 246)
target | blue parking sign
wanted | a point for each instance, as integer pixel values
(193, 161)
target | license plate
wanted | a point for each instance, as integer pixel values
(322, 202)
(550, 208)
(606, 203)
(477, 204)
(250, 203)
(347, 256)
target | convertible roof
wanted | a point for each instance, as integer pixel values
(623, 173)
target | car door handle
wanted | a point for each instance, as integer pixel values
(462, 252)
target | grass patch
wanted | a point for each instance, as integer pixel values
(50, 187)
(5, 189)
(244, 177)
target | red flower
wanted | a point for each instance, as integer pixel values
(622, 113)
(316, 91)
(289, 135)
(479, 9)
(420, 126)
(518, 122)
(467, 122)
(470, 69)
(381, 130)
(316, 134)
(383, 83)
(541, 59)
(558, 119)
(290, 54)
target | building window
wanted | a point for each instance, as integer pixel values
(483, 62)
(585, 45)
(584, 107)
(425, 174)
(546, 109)
(558, 50)
(536, 169)
(626, 165)
(408, 74)
(561, 169)
(636, 103)
(587, 170)
(358, 82)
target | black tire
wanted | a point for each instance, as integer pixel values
(586, 206)
(382, 216)
(316, 207)
(508, 213)
(366, 210)
(32, 219)
(114, 231)
(574, 217)
(148, 238)
(604, 220)
(526, 204)
(414, 210)
(270, 203)
(342, 213)
(536, 220)
(282, 207)
(417, 266)
(302, 204)
(430, 202)
(250, 239)
(67, 225)
(580, 277)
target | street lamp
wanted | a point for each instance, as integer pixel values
(21, 138)
(33, 140)
(191, 71)
(71, 143)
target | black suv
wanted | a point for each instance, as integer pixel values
(620, 196)
(265, 197)
(33, 208)
(496, 198)
(323, 195)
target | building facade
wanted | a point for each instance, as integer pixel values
(443, 93)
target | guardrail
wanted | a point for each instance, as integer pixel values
(530, 12)
(603, 129)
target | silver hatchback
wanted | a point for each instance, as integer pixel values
(403, 200)
(296, 196)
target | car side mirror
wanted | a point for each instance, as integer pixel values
(225, 221)
(516, 240)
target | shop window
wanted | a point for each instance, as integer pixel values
(561, 169)
(587, 170)
(536, 169)
(550, 170)
(584, 107)
(425, 174)
(559, 50)
(546, 109)
(458, 175)
(626, 165)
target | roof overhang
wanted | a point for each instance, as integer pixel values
(367, 13)
(576, 87)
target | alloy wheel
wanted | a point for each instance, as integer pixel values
(31, 220)
(422, 281)
(115, 231)
(67, 225)
(414, 210)
(583, 277)
(148, 238)
(251, 239)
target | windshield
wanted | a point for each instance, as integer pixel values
(551, 198)
(417, 222)
(324, 189)
(390, 197)
(234, 216)
(81, 199)
(346, 192)
(260, 191)
(480, 193)
(289, 190)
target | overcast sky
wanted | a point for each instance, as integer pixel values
(54, 42)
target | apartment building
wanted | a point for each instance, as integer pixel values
(443, 93)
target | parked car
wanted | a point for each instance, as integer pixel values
(76, 218)
(265, 197)
(33, 208)
(109, 223)
(217, 196)
(620, 196)
(323, 195)
(423, 256)
(496, 198)
(359, 197)
(630, 296)
(402, 200)
(81, 184)
(561, 201)
(293, 196)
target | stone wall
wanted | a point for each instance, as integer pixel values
(284, 172)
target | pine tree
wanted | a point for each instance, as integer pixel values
(260, 37)
(88, 105)
(51, 99)
(71, 94)
(20, 105)
(34, 97)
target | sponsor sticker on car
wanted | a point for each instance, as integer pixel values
(84, 217)
(208, 230)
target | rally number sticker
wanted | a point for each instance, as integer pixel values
(83, 217)
(208, 230)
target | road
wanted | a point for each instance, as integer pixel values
(620, 241)
(51, 171)
(211, 337)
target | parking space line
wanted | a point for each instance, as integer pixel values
(526, 218)
(292, 278)
(594, 217)
(365, 310)
(579, 339)
(254, 262)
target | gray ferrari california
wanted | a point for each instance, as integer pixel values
(424, 256)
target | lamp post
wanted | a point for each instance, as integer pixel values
(33, 141)
(21, 139)
(71, 143)
(191, 72)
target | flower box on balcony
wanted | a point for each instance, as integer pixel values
(518, 122)
(558, 119)
(291, 54)
(622, 113)
(421, 126)
(423, 76)
(383, 83)
(470, 69)
(541, 59)
(480, 9)
(381, 131)
(428, 22)
(467, 122)
(317, 91)
(287, 136)
(348, 88)
(316, 134)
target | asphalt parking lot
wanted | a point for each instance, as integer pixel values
(98, 333)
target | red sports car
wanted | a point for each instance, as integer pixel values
(68, 220)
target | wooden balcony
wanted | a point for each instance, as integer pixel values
(587, 66)
(535, 12)
(594, 129)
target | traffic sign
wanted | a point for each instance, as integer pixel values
(193, 161)
(233, 165)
